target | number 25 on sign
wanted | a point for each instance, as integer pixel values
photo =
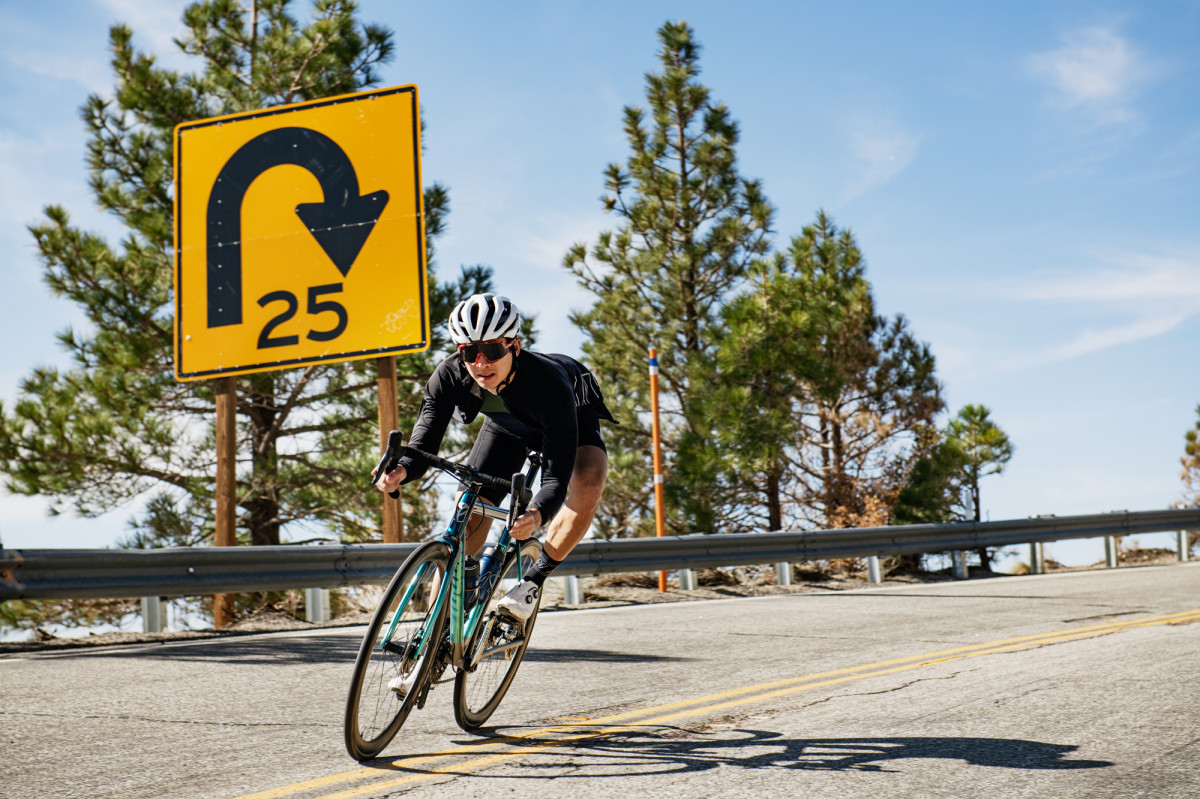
(299, 235)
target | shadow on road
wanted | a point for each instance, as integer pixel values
(533, 654)
(675, 751)
(259, 650)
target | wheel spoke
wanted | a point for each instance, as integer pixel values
(391, 649)
(500, 644)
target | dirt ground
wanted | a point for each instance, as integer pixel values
(604, 591)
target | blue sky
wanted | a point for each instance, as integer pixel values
(1023, 181)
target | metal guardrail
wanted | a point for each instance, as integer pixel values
(96, 573)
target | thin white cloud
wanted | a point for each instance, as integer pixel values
(1096, 71)
(1089, 341)
(89, 72)
(529, 266)
(154, 24)
(969, 354)
(1145, 295)
(1129, 278)
(881, 149)
(32, 49)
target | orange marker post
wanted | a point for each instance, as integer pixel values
(656, 437)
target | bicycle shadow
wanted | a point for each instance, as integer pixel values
(672, 751)
(248, 649)
(536, 655)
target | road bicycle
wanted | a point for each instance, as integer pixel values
(426, 622)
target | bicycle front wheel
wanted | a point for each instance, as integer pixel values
(496, 649)
(393, 648)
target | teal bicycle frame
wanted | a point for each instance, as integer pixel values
(462, 625)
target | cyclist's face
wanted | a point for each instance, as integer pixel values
(490, 374)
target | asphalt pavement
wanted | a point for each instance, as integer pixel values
(1084, 684)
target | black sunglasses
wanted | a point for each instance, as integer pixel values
(490, 350)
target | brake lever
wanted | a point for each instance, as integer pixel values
(390, 459)
(520, 498)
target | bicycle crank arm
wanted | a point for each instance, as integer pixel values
(506, 648)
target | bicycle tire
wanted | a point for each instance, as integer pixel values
(374, 712)
(478, 690)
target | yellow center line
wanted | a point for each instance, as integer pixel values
(515, 746)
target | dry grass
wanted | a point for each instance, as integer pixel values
(628, 580)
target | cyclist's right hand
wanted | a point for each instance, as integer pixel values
(526, 524)
(391, 481)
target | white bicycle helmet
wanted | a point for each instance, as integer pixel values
(483, 317)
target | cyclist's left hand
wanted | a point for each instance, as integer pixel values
(526, 524)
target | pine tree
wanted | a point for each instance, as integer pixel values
(986, 450)
(690, 228)
(764, 365)
(820, 404)
(933, 493)
(1191, 464)
(872, 392)
(116, 427)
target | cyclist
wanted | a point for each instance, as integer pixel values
(530, 401)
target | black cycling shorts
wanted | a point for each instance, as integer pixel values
(501, 453)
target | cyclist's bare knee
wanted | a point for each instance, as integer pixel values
(477, 532)
(590, 474)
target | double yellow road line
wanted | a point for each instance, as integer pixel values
(497, 750)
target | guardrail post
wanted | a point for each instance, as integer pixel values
(571, 594)
(1181, 545)
(316, 605)
(874, 573)
(687, 580)
(958, 559)
(154, 614)
(1110, 551)
(1037, 558)
(783, 573)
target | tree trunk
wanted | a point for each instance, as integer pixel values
(985, 559)
(826, 466)
(263, 503)
(838, 497)
(774, 503)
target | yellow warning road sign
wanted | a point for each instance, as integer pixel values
(299, 235)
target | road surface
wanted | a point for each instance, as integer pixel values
(1084, 684)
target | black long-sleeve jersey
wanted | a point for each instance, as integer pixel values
(544, 401)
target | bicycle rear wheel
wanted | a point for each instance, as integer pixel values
(499, 644)
(375, 712)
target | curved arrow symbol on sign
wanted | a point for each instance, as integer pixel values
(340, 223)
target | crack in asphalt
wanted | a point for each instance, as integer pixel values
(1107, 616)
(893, 689)
(855, 638)
(1047, 686)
